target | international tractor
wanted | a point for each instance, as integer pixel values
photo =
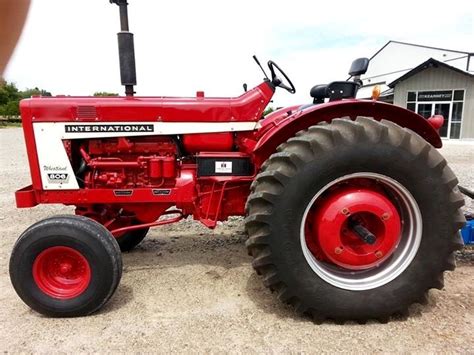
(351, 212)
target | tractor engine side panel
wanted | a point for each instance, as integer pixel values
(126, 163)
(127, 166)
(53, 159)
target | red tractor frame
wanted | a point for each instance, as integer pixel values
(351, 212)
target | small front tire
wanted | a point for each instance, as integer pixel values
(66, 266)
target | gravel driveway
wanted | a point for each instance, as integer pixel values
(189, 289)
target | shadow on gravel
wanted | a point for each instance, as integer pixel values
(465, 256)
(227, 251)
(122, 296)
(269, 303)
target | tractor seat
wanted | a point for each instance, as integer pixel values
(334, 91)
(319, 91)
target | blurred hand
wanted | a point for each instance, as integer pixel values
(12, 18)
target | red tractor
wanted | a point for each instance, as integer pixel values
(351, 212)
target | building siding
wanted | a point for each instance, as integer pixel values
(441, 79)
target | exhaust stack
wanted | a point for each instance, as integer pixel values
(128, 74)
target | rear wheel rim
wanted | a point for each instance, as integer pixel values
(359, 275)
(61, 272)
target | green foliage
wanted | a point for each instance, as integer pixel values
(105, 94)
(10, 109)
(8, 92)
(30, 92)
(10, 98)
(268, 110)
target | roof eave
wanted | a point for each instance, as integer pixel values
(425, 65)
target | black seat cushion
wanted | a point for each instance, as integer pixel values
(319, 91)
(334, 91)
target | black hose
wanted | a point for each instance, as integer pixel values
(466, 191)
(82, 167)
(80, 171)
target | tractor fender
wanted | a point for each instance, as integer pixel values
(284, 124)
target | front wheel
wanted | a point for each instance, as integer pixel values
(66, 266)
(354, 220)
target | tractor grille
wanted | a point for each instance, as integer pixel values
(86, 112)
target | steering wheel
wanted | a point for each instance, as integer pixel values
(277, 81)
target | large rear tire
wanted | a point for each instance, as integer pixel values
(66, 266)
(308, 196)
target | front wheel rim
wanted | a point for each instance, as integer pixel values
(61, 272)
(401, 254)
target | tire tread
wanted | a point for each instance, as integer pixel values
(307, 145)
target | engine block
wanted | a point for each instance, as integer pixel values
(128, 162)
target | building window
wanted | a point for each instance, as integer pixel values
(411, 101)
(458, 95)
(425, 110)
(448, 103)
(456, 118)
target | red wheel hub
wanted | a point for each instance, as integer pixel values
(61, 272)
(332, 236)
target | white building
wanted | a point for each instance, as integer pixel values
(427, 80)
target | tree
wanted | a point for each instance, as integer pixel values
(10, 98)
(8, 92)
(11, 109)
(31, 92)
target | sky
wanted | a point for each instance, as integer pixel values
(70, 46)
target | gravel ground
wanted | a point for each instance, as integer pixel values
(189, 289)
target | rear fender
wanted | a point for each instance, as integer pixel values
(279, 128)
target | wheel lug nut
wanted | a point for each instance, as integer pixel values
(378, 254)
(338, 250)
(345, 211)
(385, 216)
